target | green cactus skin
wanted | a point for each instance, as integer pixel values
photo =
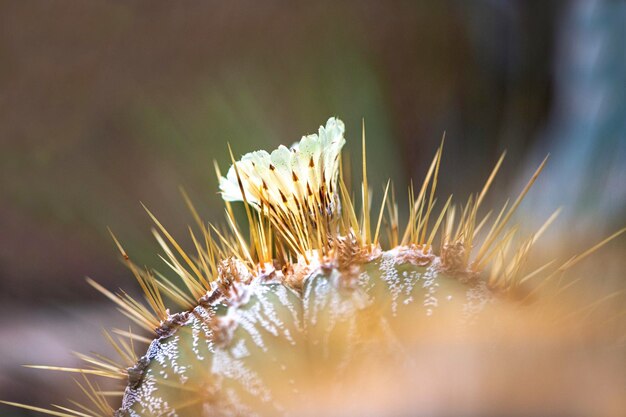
(244, 354)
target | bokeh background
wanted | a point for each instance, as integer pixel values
(106, 104)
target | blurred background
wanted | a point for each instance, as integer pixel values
(106, 104)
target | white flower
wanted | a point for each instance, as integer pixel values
(289, 179)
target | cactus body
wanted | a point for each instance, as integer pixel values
(246, 352)
(309, 307)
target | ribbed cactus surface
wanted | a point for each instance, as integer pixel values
(246, 347)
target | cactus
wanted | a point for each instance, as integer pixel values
(312, 297)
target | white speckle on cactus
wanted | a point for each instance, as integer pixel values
(477, 297)
(225, 365)
(148, 403)
(168, 356)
